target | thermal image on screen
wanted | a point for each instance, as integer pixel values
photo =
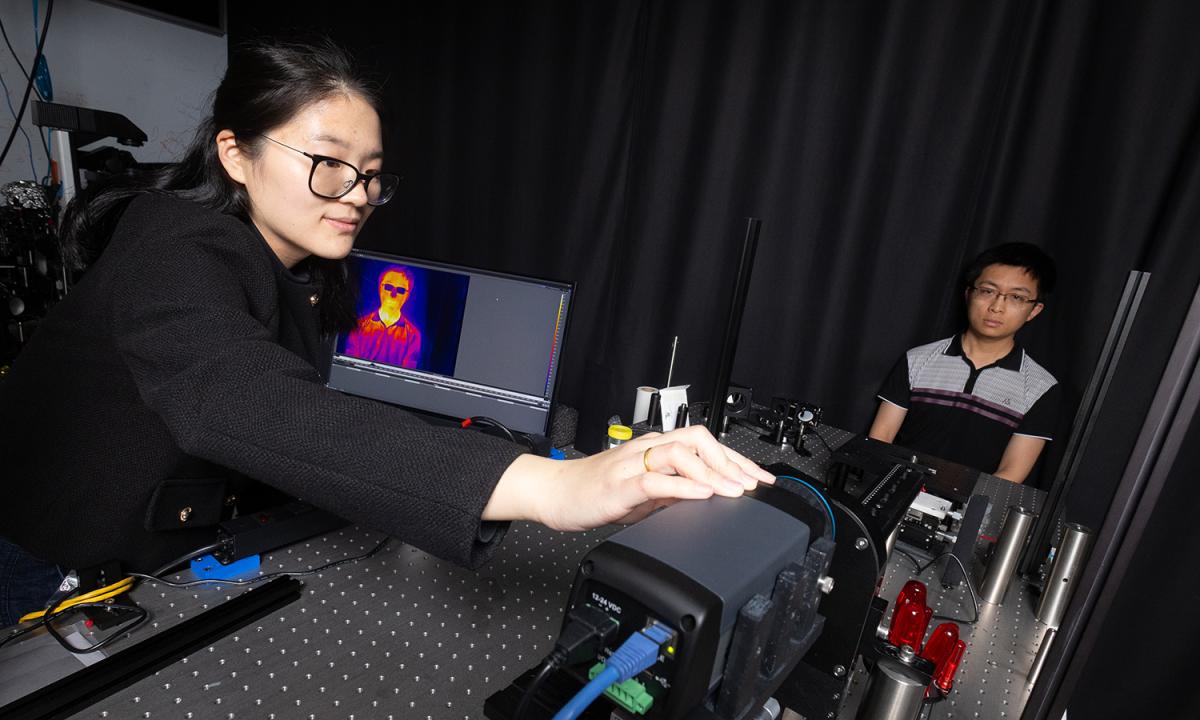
(408, 317)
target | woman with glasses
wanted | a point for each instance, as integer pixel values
(977, 398)
(181, 379)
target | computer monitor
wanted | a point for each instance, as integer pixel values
(454, 341)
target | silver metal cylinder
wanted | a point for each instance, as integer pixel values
(1007, 553)
(769, 711)
(891, 542)
(1068, 564)
(895, 693)
(1040, 658)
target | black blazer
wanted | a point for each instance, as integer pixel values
(184, 364)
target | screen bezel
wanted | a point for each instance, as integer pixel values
(570, 287)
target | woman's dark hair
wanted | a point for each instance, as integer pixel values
(265, 85)
(1026, 256)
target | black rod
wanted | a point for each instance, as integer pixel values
(737, 306)
(93, 683)
(1147, 470)
(1046, 528)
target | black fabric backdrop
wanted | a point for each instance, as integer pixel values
(622, 143)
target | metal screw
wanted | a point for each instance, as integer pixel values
(860, 544)
(825, 584)
(839, 670)
(184, 514)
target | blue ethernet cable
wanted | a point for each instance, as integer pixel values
(639, 652)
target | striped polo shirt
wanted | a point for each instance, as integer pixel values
(968, 415)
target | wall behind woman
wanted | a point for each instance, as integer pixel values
(622, 143)
(157, 73)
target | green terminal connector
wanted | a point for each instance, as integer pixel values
(630, 694)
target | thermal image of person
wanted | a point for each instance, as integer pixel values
(385, 335)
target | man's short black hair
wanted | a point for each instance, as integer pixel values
(1026, 256)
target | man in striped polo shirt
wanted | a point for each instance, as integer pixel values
(978, 398)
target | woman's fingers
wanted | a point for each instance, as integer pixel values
(629, 482)
(644, 510)
(716, 454)
(750, 468)
(719, 459)
(631, 500)
(657, 486)
(675, 458)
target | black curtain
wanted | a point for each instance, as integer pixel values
(621, 144)
(1144, 640)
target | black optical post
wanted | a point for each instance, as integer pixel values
(733, 326)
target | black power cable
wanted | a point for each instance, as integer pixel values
(268, 576)
(587, 630)
(184, 558)
(16, 57)
(140, 612)
(817, 431)
(966, 578)
(548, 668)
(485, 421)
(74, 693)
(29, 85)
(47, 621)
(27, 77)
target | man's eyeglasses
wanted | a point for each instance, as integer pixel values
(394, 290)
(332, 178)
(988, 294)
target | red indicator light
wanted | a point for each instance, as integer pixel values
(945, 651)
(908, 625)
(913, 591)
(911, 616)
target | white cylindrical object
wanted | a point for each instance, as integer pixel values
(641, 404)
(60, 148)
(670, 398)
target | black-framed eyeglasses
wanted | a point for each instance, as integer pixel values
(394, 290)
(332, 178)
(988, 294)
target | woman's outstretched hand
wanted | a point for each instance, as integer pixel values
(624, 484)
